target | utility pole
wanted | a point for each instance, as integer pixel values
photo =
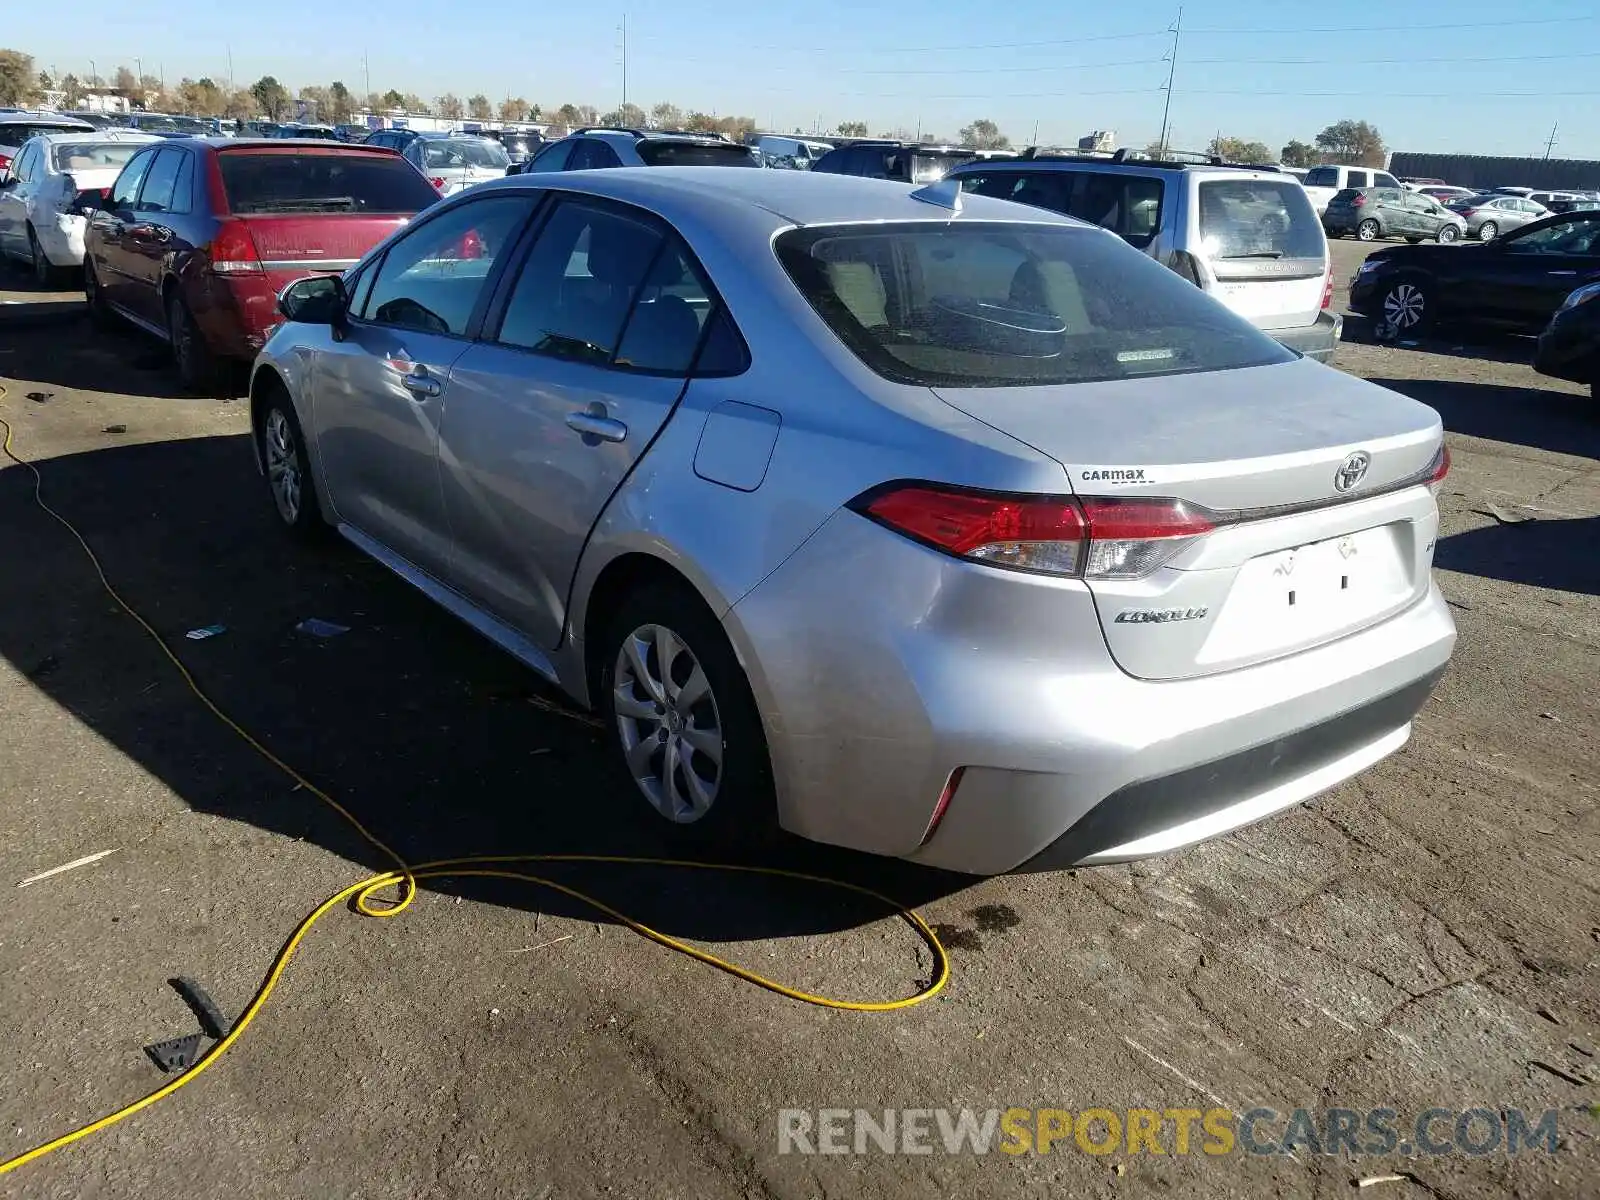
(624, 60)
(1035, 140)
(1551, 141)
(366, 76)
(1176, 29)
(138, 65)
(230, 72)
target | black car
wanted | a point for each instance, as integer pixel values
(1569, 347)
(907, 162)
(1514, 283)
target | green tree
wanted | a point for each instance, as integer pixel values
(393, 99)
(1353, 142)
(1296, 153)
(984, 134)
(16, 77)
(271, 97)
(317, 102)
(567, 116)
(127, 83)
(341, 105)
(449, 106)
(74, 90)
(1237, 150)
(478, 107)
(852, 129)
(666, 116)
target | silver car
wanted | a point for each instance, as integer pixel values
(1489, 215)
(927, 524)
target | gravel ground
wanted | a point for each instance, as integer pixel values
(1425, 936)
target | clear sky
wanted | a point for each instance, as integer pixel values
(1465, 75)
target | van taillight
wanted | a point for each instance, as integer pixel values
(233, 250)
(1090, 537)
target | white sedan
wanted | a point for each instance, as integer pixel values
(55, 182)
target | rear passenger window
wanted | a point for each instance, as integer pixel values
(126, 189)
(580, 282)
(183, 189)
(663, 329)
(1323, 177)
(431, 279)
(156, 195)
(1360, 179)
(1129, 205)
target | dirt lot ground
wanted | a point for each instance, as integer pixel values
(1425, 937)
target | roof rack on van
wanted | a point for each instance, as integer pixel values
(1127, 154)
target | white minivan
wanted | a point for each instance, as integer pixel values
(1324, 183)
(1247, 236)
(799, 152)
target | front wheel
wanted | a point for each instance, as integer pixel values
(1407, 306)
(282, 449)
(683, 721)
(1488, 231)
(1368, 230)
(1448, 234)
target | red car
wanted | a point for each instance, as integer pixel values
(197, 236)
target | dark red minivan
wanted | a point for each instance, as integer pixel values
(197, 236)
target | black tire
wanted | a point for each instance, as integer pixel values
(1447, 235)
(280, 443)
(742, 811)
(1488, 231)
(1369, 230)
(1408, 293)
(94, 300)
(45, 273)
(1413, 240)
(198, 369)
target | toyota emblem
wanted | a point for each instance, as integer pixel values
(1352, 471)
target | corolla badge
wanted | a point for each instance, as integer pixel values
(1352, 471)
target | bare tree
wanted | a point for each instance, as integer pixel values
(666, 116)
(628, 116)
(852, 129)
(127, 83)
(1354, 142)
(478, 107)
(449, 106)
(514, 109)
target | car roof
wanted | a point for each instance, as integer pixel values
(60, 122)
(1130, 166)
(96, 136)
(789, 197)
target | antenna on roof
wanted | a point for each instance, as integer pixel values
(946, 194)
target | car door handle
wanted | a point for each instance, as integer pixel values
(590, 424)
(421, 385)
(1561, 272)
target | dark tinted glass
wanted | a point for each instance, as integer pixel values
(317, 182)
(1128, 205)
(551, 158)
(724, 352)
(15, 133)
(126, 189)
(579, 283)
(663, 330)
(1322, 177)
(689, 154)
(997, 304)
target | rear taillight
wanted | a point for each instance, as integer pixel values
(1090, 538)
(1466, 212)
(233, 250)
(438, 184)
(1327, 290)
(1438, 469)
(5, 162)
(1357, 201)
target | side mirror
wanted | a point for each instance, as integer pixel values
(315, 300)
(6, 178)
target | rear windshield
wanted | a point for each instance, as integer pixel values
(1258, 218)
(1345, 195)
(930, 168)
(992, 304)
(87, 156)
(695, 154)
(1322, 177)
(466, 152)
(171, 125)
(14, 134)
(1128, 205)
(317, 182)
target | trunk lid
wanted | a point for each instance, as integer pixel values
(294, 245)
(1295, 559)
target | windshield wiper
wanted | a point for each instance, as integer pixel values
(308, 202)
(1255, 254)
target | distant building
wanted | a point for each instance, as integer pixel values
(104, 100)
(1101, 140)
(1489, 171)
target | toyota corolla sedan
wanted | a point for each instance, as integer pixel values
(911, 521)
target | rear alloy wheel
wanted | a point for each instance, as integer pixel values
(281, 446)
(198, 370)
(44, 271)
(684, 721)
(1448, 234)
(1368, 230)
(1488, 231)
(1405, 307)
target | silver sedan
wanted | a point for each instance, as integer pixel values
(906, 520)
(1489, 216)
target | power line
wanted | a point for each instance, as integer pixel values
(1325, 62)
(1396, 28)
(1127, 62)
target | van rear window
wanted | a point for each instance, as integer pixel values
(695, 154)
(1322, 177)
(349, 182)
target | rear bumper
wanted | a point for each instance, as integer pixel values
(881, 667)
(1317, 340)
(236, 315)
(61, 239)
(1569, 350)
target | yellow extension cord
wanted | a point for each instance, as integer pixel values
(404, 879)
